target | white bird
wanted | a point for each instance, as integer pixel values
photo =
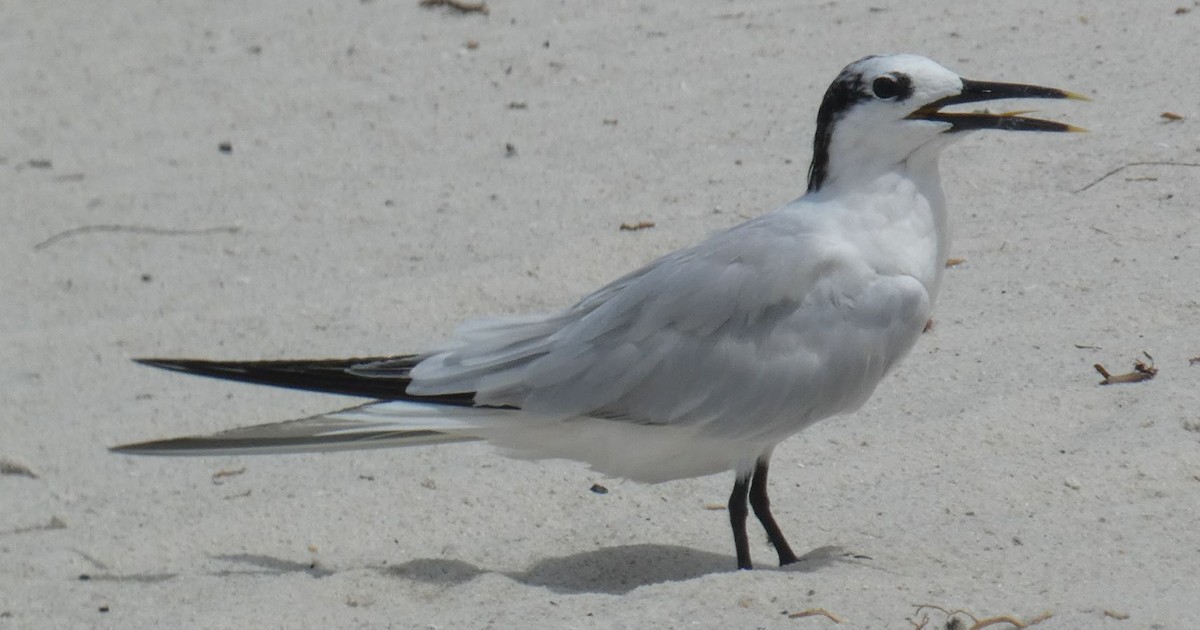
(705, 359)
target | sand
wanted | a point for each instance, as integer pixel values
(391, 170)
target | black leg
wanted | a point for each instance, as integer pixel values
(737, 518)
(762, 509)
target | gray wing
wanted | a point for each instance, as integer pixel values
(760, 321)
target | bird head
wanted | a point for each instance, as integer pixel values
(882, 110)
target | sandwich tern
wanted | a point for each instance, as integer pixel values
(705, 359)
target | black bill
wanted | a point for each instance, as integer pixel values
(979, 91)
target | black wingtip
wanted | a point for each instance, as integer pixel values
(331, 376)
(175, 365)
(156, 447)
(245, 371)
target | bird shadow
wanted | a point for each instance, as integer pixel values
(612, 570)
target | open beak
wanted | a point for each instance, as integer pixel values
(978, 91)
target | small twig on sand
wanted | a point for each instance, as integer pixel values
(640, 225)
(1121, 168)
(919, 625)
(133, 229)
(816, 612)
(979, 624)
(459, 5)
(226, 472)
(1141, 372)
(55, 523)
(1009, 619)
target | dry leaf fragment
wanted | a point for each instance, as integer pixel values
(1141, 372)
(1116, 614)
(954, 262)
(226, 472)
(816, 612)
(1171, 116)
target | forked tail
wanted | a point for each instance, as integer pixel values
(397, 419)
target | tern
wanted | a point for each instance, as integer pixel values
(704, 360)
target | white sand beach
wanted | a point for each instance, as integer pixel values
(330, 179)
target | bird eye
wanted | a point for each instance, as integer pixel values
(885, 87)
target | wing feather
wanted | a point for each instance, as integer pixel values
(749, 325)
